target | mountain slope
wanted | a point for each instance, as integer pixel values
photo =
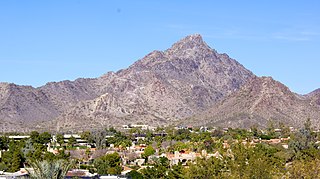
(314, 96)
(258, 101)
(65, 94)
(21, 107)
(161, 88)
(24, 108)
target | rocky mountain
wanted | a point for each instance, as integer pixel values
(161, 88)
(260, 100)
(189, 83)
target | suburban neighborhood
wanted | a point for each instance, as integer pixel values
(138, 148)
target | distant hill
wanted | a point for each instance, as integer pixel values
(261, 100)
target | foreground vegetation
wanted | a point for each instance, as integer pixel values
(240, 153)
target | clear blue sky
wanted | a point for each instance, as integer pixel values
(54, 40)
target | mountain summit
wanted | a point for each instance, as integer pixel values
(190, 42)
(162, 88)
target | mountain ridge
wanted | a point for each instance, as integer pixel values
(260, 100)
(162, 88)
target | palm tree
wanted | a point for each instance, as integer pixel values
(49, 169)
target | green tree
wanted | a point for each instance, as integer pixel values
(44, 138)
(60, 139)
(159, 170)
(38, 152)
(135, 131)
(86, 135)
(72, 141)
(263, 163)
(153, 173)
(3, 166)
(148, 151)
(255, 162)
(119, 139)
(133, 174)
(4, 143)
(303, 142)
(177, 172)
(182, 134)
(13, 159)
(149, 137)
(34, 136)
(16, 161)
(205, 168)
(180, 146)
(170, 133)
(238, 134)
(108, 164)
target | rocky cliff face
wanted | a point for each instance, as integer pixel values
(161, 88)
(257, 102)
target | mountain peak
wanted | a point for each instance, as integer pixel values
(191, 42)
(189, 47)
(193, 38)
